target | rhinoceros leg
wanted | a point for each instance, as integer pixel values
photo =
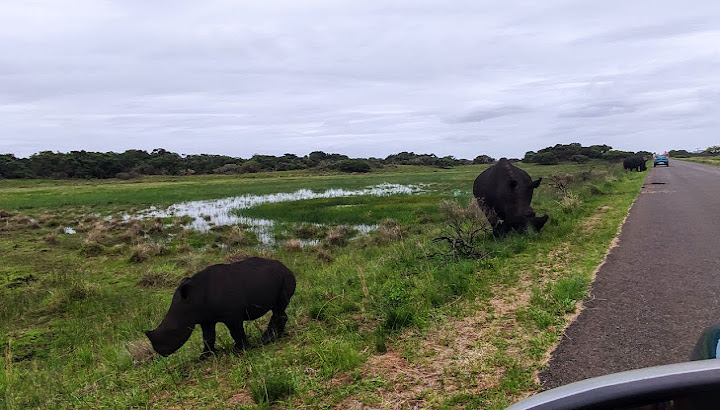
(208, 330)
(237, 331)
(276, 327)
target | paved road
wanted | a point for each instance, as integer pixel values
(659, 287)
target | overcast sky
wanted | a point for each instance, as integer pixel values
(362, 78)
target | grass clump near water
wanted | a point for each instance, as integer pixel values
(370, 312)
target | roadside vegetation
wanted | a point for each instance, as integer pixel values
(391, 317)
(705, 160)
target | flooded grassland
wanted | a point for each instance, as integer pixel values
(380, 317)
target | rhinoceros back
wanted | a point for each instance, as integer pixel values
(248, 288)
(491, 185)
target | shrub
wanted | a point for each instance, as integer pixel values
(339, 235)
(570, 201)
(145, 251)
(325, 255)
(228, 169)
(545, 158)
(293, 245)
(561, 183)
(160, 279)
(240, 237)
(483, 159)
(140, 351)
(309, 231)
(465, 227)
(580, 159)
(397, 306)
(388, 231)
(92, 248)
(250, 167)
(353, 165)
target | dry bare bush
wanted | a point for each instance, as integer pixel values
(183, 248)
(293, 245)
(140, 351)
(156, 227)
(145, 251)
(389, 231)
(51, 239)
(95, 235)
(561, 183)
(92, 248)
(239, 254)
(339, 235)
(466, 226)
(239, 237)
(160, 279)
(308, 231)
(570, 201)
(325, 255)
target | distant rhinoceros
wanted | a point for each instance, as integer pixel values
(635, 163)
(227, 293)
(504, 192)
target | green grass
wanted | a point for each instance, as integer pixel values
(703, 160)
(73, 304)
(350, 210)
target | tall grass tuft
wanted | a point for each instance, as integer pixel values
(269, 385)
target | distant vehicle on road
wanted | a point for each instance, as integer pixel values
(661, 159)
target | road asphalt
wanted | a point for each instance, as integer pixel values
(659, 287)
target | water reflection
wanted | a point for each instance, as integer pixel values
(209, 213)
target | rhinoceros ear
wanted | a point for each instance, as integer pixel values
(184, 288)
(535, 183)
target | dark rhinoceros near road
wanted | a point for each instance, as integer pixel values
(227, 293)
(504, 192)
(635, 163)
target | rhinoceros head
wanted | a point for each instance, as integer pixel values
(177, 326)
(516, 211)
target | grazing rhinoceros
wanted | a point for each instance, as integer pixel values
(635, 163)
(504, 192)
(227, 293)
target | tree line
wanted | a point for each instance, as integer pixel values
(575, 152)
(134, 163)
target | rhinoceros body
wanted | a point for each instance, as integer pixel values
(227, 293)
(504, 192)
(635, 163)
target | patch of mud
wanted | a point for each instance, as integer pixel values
(210, 213)
(243, 398)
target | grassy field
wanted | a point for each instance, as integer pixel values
(382, 319)
(704, 160)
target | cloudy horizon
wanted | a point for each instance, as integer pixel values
(364, 79)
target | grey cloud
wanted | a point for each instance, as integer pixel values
(601, 109)
(454, 78)
(482, 114)
(652, 32)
